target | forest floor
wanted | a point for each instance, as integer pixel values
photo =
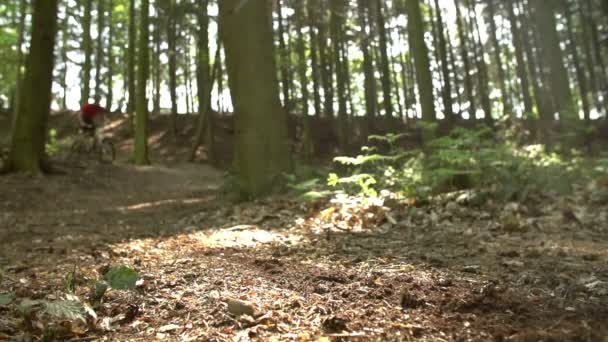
(279, 269)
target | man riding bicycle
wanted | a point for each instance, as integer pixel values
(91, 116)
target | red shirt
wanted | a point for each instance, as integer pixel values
(89, 111)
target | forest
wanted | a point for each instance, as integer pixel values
(304, 170)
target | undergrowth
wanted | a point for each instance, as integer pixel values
(464, 159)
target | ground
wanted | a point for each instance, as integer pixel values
(392, 270)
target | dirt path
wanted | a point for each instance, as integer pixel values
(434, 274)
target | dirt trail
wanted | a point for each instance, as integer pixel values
(102, 201)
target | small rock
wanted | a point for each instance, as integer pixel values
(238, 307)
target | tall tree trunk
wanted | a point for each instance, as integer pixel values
(131, 60)
(204, 80)
(156, 64)
(284, 60)
(307, 142)
(171, 41)
(421, 60)
(27, 152)
(445, 71)
(581, 78)
(452, 59)
(543, 103)
(88, 52)
(187, 84)
(368, 64)
(600, 66)
(99, 49)
(18, 74)
(140, 155)
(522, 75)
(314, 56)
(64, 60)
(506, 109)
(338, 9)
(594, 82)
(110, 55)
(551, 53)
(384, 61)
(464, 54)
(482, 69)
(261, 148)
(326, 64)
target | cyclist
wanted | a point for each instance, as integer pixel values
(91, 116)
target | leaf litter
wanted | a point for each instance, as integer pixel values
(280, 269)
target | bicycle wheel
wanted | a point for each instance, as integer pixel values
(107, 153)
(77, 149)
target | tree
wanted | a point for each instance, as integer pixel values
(384, 63)
(464, 54)
(131, 59)
(27, 152)
(261, 149)
(419, 51)
(140, 154)
(522, 75)
(553, 66)
(100, 48)
(506, 109)
(445, 71)
(88, 52)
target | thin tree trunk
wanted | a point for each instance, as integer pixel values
(338, 8)
(443, 56)
(314, 56)
(506, 110)
(110, 55)
(88, 52)
(156, 64)
(482, 69)
(171, 41)
(18, 75)
(464, 54)
(384, 61)
(131, 60)
(522, 75)
(284, 60)
(99, 48)
(581, 78)
(140, 154)
(326, 64)
(205, 77)
(307, 142)
(421, 59)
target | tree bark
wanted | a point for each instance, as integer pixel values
(522, 75)
(27, 152)
(506, 102)
(445, 71)
(131, 60)
(140, 155)
(384, 60)
(88, 52)
(419, 50)
(99, 49)
(261, 148)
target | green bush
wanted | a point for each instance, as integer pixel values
(463, 159)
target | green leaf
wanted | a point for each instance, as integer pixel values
(68, 309)
(122, 278)
(6, 298)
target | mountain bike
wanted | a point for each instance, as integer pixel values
(93, 142)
